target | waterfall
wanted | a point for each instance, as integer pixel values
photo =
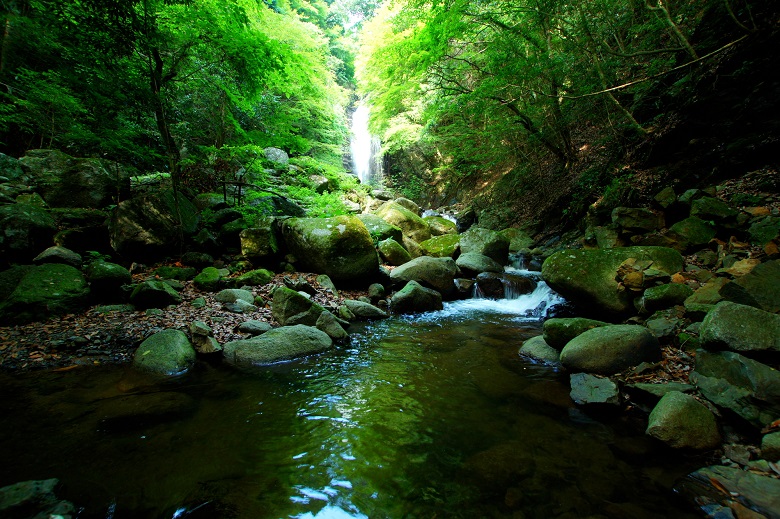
(366, 159)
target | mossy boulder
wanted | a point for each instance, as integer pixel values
(340, 247)
(712, 209)
(260, 242)
(474, 263)
(436, 273)
(393, 252)
(411, 225)
(588, 277)
(486, 242)
(442, 246)
(681, 421)
(42, 292)
(168, 352)
(415, 298)
(440, 225)
(154, 294)
(558, 331)
(254, 278)
(290, 308)
(690, 234)
(278, 344)
(607, 350)
(764, 230)
(537, 348)
(740, 328)
(208, 280)
(106, 280)
(759, 288)
(379, 229)
(177, 273)
(25, 230)
(665, 296)
(518, 239)
(637, 219)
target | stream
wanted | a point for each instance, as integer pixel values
(430, 416)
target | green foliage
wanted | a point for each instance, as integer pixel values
(318, 205)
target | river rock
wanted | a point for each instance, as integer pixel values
(414, 298)
(254, 278)
(587, 277)
(610, 349)
(340, 247)
(518, 239)
(25, 230)
(740, 328)
(40, 292)
(436, 273)
(106, 280)
(138, 411)
(490, 285)
(329, 323)
(637, 220)
(393, 252)
(259, 242)
(712, 209)
(590, 389)
(364, 311)
(764, 230)
(168, 352)
(558, 331)
(64, 181)
(209, 279)
(690, 234)
(704, 299)
(231, 295)
(379, 229)
(770, 447)
(745, 386)
(760, 288)
(486, 242)
(538, 349)
(443, 246)
(473, 263)
(203, 338)
(412, 226)
(441, 226)
(682, 422)
(664, 296)
(254, 327)
(500, 467)
(290, 308)
(154, 294)
(34, 499)
(59, 254)
(728, 492)
(285, 343)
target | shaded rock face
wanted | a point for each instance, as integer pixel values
(681, 421)
(285, 343)
(759, 288)
(588, 277)
(41, 292)
(25, 230)
(340, 247)
(731, 488)
(64, 181)
(740, 328)
(154, 294)
(291, 308)
(731, 381)
(168, 352)
(260, 241)
(610, 349)
(106, 280)
(436, 273)
(147, 227)
(486, 242)
(414, 298)
(636, 219)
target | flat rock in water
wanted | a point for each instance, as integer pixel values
(168, 352)
(279, 344)
(590, 389)
(610, 349)
(536, 348)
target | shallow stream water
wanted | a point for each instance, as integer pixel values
(434, 416)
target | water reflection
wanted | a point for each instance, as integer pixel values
(428, 416)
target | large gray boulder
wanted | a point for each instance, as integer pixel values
(25, 230)
(588, 277)
(486, 242)
(436, 273)
(37, 293)
(168, 352)
(64, 181)
(745, 386)
(607, 350)
(145, 228)
(682, 422)
(411, 225)
(340, 247)
(279, 344)
(558, 331)
(290, 308)
(759, 288)
(415, 298)
(740, 328)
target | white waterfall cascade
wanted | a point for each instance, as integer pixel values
(365, 148)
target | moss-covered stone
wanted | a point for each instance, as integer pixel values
(255, 278)
(44, 291)
(690, 234)
(287, 342)
(379, 229)
(558, 331)
(393, 252)
(442, 246)
(487, 242)
(681, 421)
(208, 280)
(168, 352)
(178, 273)
(665, 296)
(440, 225)
(154, 294)
(410, 224)
(610, 349)
(518, 239)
